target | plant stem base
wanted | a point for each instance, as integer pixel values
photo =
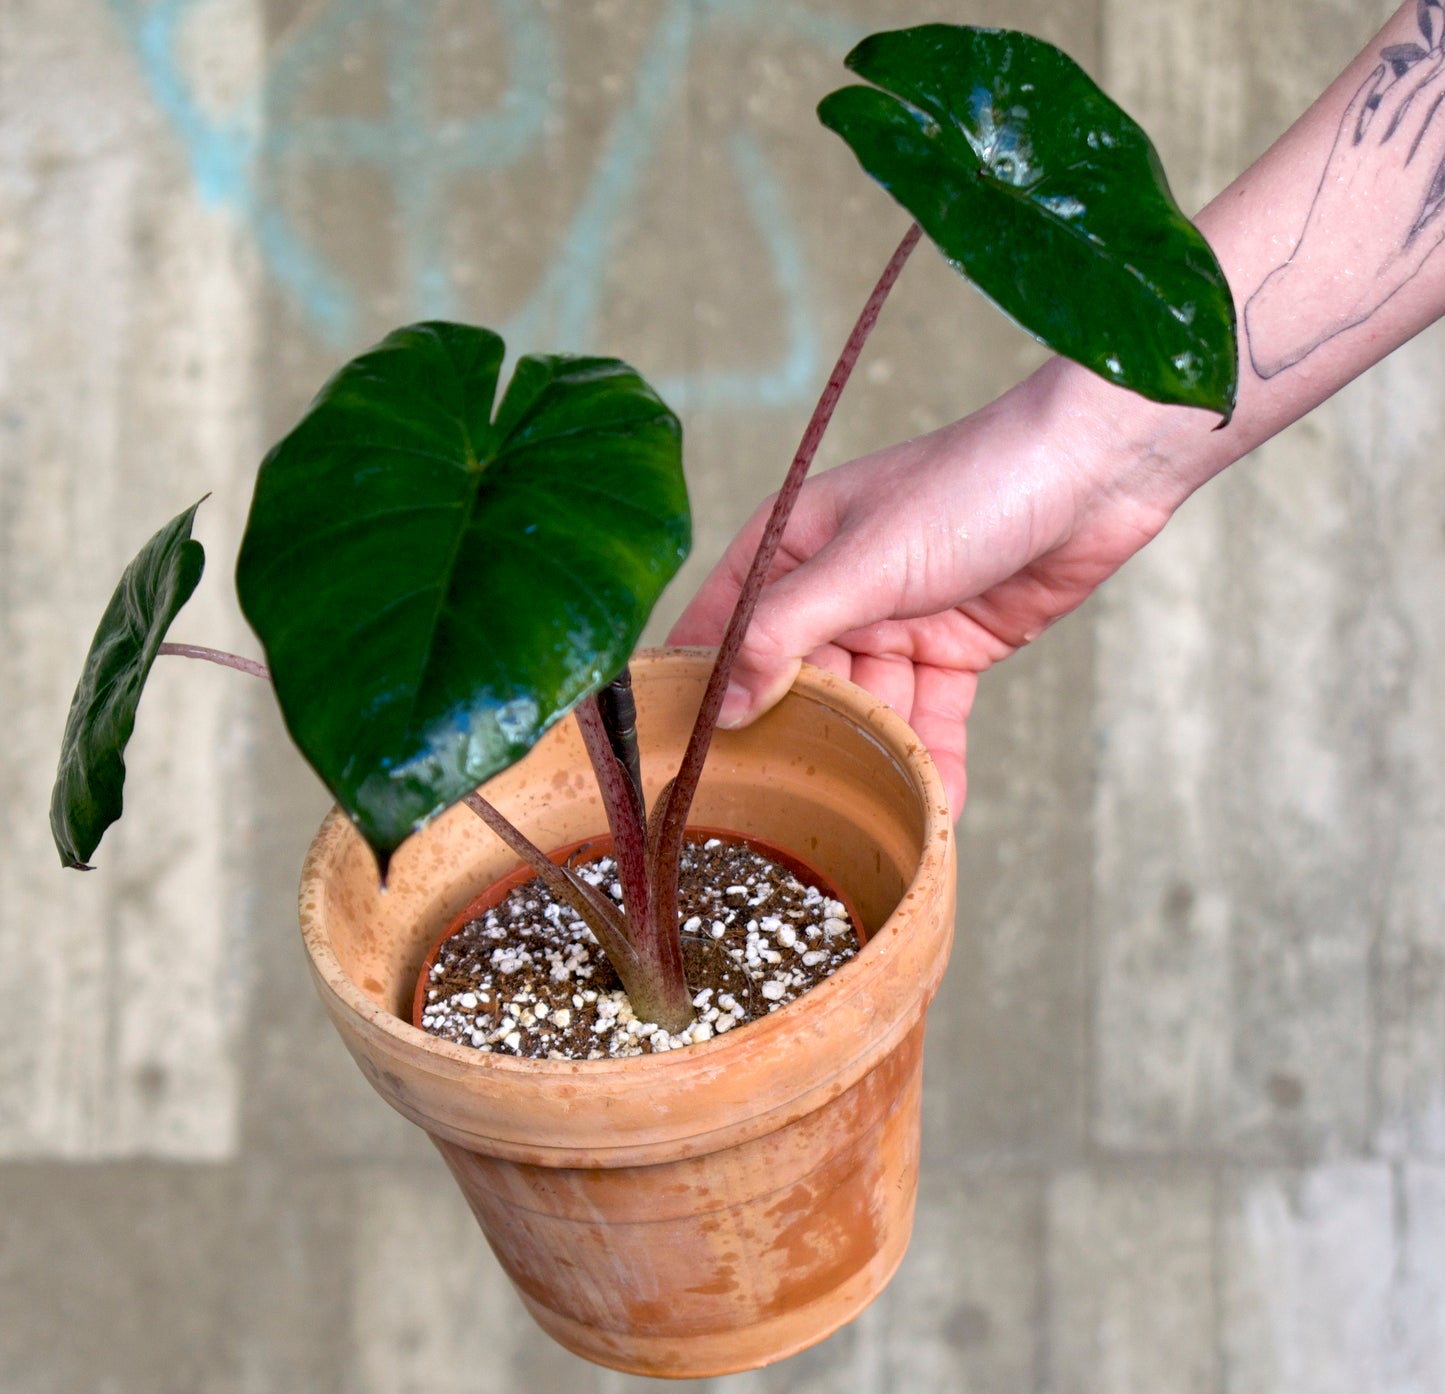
(518, 974)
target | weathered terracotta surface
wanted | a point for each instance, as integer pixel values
(720, 1207)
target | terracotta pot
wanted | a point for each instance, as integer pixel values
(712, 1209)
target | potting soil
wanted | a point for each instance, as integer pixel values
(528, 979)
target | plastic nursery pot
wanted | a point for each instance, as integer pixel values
(706, 1210)
(591, 849)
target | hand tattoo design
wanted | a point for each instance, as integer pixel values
(1377, 214)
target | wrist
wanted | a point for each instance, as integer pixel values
(1124, 448)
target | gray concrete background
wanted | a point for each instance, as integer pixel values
(1186, 1093)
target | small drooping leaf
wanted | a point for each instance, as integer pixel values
(1041, 191)
(89, 783)
(435, 588)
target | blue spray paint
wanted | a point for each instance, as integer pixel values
(420, 154)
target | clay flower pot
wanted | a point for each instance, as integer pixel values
(706, 1210)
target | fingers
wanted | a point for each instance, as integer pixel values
(942, 701)
(889, 677)
(706, 615)
(813, 523)
(800, 616)
(806, 604)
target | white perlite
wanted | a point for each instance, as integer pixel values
(782, 953)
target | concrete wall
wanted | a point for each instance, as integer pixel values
(1186, 1098)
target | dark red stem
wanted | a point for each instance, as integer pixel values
(690, 772)
(623, 805)
(226, 660)
(644, 957)
(659, 978)
(601, 916)
(639, 977)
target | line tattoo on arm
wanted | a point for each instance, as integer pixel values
(1378, 213)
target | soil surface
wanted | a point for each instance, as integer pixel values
(528, 979)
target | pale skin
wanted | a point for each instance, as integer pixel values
(1386, 157)
(915, 569)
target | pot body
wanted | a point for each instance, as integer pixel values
(711, 1209)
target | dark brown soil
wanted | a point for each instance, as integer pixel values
(528, 979)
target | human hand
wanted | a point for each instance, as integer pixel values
(913, 570)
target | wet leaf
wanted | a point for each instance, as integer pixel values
(89, 783)
(1048, 197)
(433, 587)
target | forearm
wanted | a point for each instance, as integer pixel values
(1329, 242)
(914, 569)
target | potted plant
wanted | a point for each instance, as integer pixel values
(437, 584)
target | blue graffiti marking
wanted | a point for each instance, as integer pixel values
(420, 154)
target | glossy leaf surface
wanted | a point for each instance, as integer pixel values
(89, 783)
(434, 587)
(1041, 191)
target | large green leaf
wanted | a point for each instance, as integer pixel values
(434, 588)
(1041, 191)
(89, 783)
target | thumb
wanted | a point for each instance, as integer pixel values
(798, 617)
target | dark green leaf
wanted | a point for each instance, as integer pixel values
(434, 588)
(87, 796)
(1041, 191)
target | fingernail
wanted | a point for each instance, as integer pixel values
(734, 711)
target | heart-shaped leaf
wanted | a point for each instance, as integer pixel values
(89, 783)
(434, 588)
(1041, 191)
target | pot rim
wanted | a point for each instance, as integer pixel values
(870, 715)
